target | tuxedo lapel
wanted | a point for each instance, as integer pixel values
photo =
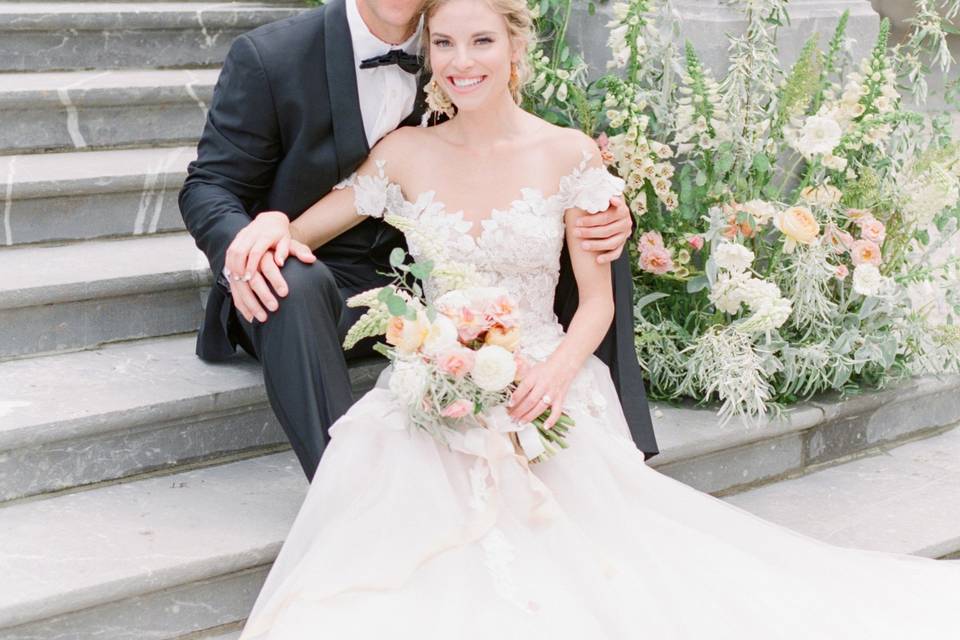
(348, 134)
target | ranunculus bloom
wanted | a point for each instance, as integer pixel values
(456, 362)
(865, 252)
(503, 337)
(656, 260)
(872, 229)
(841, 272)
(457, 409)
(696, 242)
(650, 240)
(799, 226)
(494, 368)
(470, 325)
(405, 334)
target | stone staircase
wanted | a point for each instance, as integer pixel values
(144, 493)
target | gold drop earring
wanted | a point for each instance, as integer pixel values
(437, 101)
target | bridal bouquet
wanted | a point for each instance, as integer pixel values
(798, 227)
(455, 362)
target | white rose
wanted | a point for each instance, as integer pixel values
(733, 257)
(494, 368)
(441, 335)
(867, 280)
(408, 380)
(819, 135)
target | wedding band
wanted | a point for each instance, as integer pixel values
(546, 399)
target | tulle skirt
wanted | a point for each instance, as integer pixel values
(401, 537)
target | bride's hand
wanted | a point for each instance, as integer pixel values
(606, 233)
(544, 381)
(269, 230)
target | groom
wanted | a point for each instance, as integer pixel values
(297, 107)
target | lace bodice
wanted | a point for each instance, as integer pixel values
(517, 248)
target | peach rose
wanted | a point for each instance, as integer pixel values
(407, 335)
(457, 409)
(656, 260)
(456, 362)
(865, 252)
(799, 226)
(503, 337)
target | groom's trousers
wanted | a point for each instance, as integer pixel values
(305, 369)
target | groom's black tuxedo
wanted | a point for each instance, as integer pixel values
(283, 128)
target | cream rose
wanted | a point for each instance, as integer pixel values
(501, 337)
(494, 368)
(799, 226)
(441, 335)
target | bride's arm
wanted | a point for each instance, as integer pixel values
(590, 323)
(337, 211)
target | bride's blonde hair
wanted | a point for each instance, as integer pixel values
(520, 28)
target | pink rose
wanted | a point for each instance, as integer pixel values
(457, 362)
(872, 229)
(842, 272)
(656, 260)
(839, 240)
(650, 240)
(457, 409)
(696, 242)
(865, 252)
(470, 325)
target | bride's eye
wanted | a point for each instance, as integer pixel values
(441, 42)
(484, 40)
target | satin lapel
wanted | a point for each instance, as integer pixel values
(348, 134)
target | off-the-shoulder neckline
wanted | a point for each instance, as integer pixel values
(429, 197)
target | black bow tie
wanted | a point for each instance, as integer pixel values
(406, 61)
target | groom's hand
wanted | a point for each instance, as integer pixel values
(252, 297)
(606, 233)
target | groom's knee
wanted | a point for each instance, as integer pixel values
(311, 288)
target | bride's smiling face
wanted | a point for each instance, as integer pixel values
(471, 53)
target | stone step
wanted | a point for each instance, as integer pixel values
(182, 553)
(100, 109)
(905, 499)
(91, 194)
(80, 295)
(740, 455)
(135, 407)
(53, 36)
(198, 544)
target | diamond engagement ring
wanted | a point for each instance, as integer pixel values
(546, 399)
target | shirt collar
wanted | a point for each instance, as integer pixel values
(366, 45)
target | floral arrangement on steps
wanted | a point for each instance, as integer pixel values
(795, 226)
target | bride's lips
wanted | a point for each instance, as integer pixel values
(468, 88)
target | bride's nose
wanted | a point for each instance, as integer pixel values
(464, 59)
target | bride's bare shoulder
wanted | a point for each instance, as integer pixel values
(567, 146)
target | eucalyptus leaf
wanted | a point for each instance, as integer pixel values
(397, 256)
(697, 283)
(396, 305)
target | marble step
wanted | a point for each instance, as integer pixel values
(134, 407)
(189, 551)
(80, 295)
(100, 109)
(904, 499)
(696, 450)
(54, 36)
(91, 194)
(182, 553)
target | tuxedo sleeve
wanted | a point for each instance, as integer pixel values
(236, 157)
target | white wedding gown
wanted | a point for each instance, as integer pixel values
(400, 537)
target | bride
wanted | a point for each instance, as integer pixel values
(402, 537)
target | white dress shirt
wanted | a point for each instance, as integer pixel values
(386, 93)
